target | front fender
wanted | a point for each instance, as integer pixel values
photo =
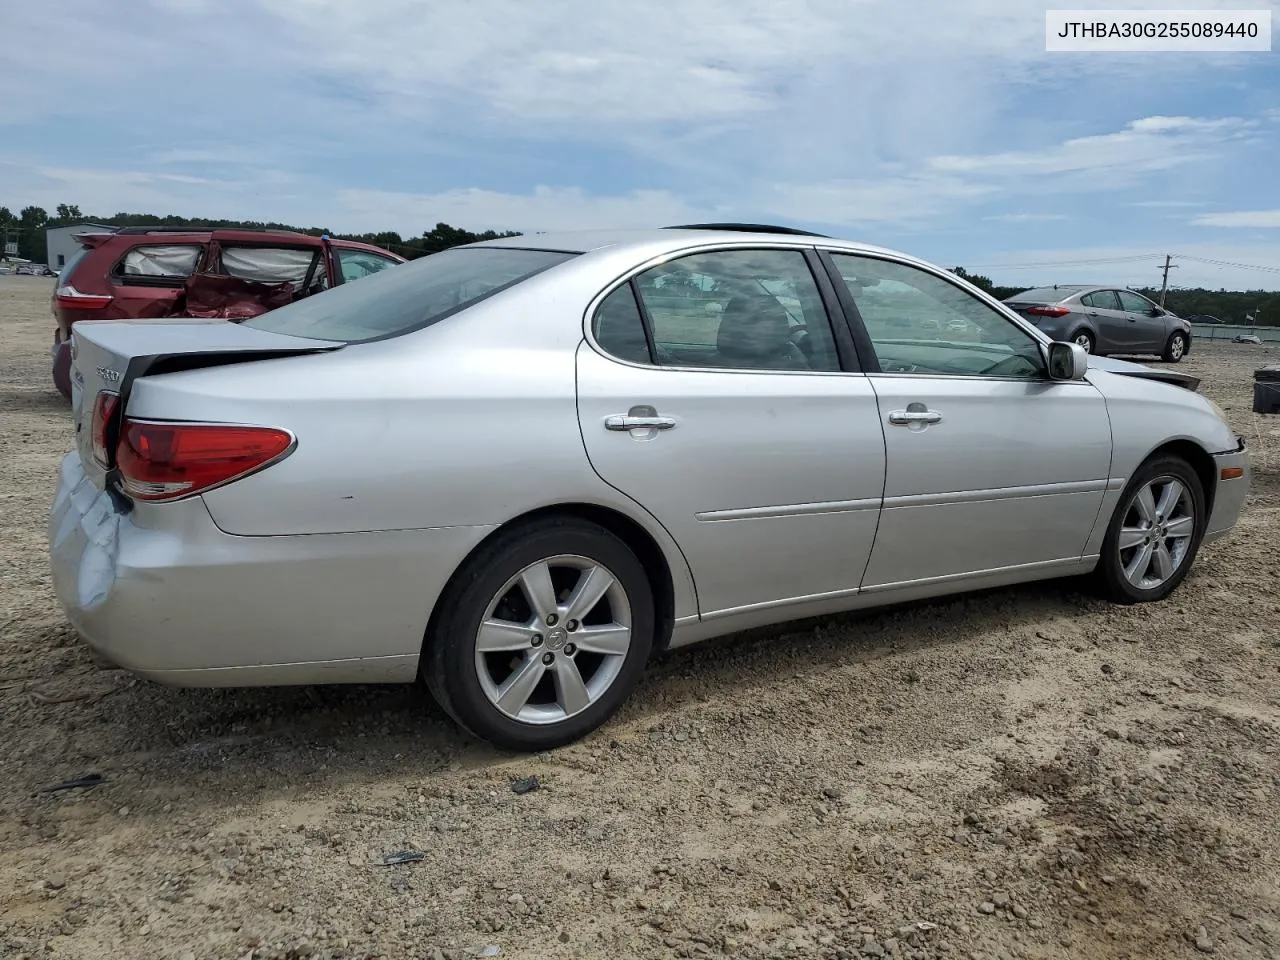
(1147, 414)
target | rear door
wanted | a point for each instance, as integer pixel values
(150, 278)
(713, 392)
(1146, 331)
(1103, 308)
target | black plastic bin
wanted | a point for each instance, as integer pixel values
(1266, 390)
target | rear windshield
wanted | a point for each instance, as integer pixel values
(414, 295)
(64, 274)
(1043, 295)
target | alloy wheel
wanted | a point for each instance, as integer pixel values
(553, 639)
(1157, 532)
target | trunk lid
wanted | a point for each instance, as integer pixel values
(108, 356)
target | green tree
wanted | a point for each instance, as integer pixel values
(982, 283)
(32, 222)
(68, 213)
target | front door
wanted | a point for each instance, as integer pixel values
(1148, 330)
(991, 466)
(726, 410)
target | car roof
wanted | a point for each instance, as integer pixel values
(658, 240)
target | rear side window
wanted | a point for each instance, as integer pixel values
(159, 262)
(410, 297)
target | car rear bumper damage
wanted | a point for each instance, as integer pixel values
(1233, 476)
(166, 594)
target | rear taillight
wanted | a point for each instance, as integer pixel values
(165, 461)
(72, 299)
(1048, 311)
(104, 411)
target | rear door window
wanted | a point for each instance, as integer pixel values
(167, 264)
(417, 294)
(1101, 300)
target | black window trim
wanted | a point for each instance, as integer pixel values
(846, 352)
(863, 338)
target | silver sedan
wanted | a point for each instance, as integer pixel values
(519, 469)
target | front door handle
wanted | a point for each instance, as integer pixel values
(627, 422)
(914, 416)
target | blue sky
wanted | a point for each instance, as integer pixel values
(940, 128)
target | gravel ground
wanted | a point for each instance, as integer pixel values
(1026, 773)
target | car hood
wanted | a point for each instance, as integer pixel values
(1126, 368)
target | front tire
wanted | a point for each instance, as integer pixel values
(1154, 534)
(1176, 348)
(542, 635)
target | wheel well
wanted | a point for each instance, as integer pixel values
(1200, 462)
(625, 529)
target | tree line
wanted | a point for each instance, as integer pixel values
(28, 228)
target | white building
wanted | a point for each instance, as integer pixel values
(63, 244)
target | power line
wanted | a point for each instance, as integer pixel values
(1069, 263)
(1228, 263)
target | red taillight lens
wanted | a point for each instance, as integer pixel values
(70, 298)
(1049, 311)
(104, 411)
(164, 461)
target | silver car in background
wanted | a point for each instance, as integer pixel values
(1105, 320)
(518, 469)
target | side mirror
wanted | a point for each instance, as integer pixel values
(1157, 312)
(1067, 361)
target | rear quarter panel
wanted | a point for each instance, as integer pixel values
(470, 422)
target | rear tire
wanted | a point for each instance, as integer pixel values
(1084, 339)
(541, 635)
(1176, 348)
(1154, 534)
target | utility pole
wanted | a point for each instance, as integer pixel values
(1164, 283)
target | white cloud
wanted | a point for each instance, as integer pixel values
(1170, 204)
(1265, 219)
(1144, 145)
(1026, 217)
(545, 208)
(947, 184)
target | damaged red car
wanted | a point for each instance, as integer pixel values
(156, 272)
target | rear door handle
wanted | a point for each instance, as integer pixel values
(914, 416)
(627, 422)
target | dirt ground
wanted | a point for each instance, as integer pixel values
(1029, 773)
